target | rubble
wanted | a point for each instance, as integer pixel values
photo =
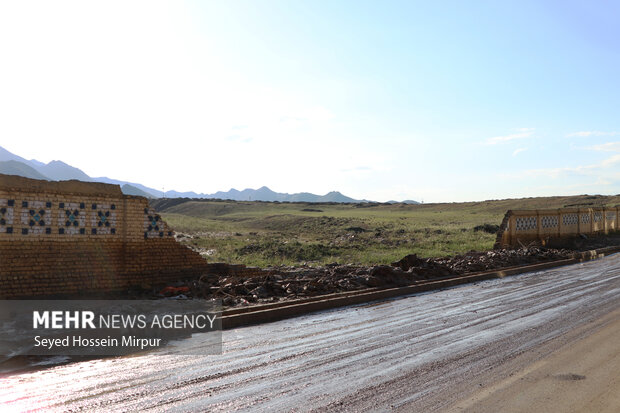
(285, 283)
(495, 259)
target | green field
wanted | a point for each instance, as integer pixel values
(264, 233)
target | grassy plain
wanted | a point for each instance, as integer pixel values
(266, 233)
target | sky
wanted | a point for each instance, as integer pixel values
(436, 101)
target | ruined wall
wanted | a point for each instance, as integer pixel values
(522, 227)
(76, 237)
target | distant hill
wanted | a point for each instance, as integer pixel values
(336, 196)
(153, 193)
(406, 201)
(60, 171)
(12, 164)
(265, 194)
(333, 196)
(21, 169)
(132, 190)
(8, 156)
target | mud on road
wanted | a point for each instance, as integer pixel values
(419, 353)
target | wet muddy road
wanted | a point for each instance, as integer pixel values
(419, 353)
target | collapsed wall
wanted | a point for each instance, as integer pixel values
(522, 227)
(73, 237)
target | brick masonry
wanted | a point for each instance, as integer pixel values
(72, 237)
(521, 227)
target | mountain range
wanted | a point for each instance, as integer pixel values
(11, 164)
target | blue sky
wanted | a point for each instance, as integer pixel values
(434, 101)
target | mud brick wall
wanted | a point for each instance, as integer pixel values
(72, 237)
(543, 225)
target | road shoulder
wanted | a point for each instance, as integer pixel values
(582, 375)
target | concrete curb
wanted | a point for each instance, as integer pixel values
(259, 314)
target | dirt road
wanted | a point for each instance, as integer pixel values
(421, 353)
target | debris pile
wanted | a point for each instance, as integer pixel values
(283, 283)
(490, 260)
(291, 283)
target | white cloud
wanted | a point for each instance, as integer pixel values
(518, 151)
(591, 169)
(585, 134)
(606, 147)
(522, 134)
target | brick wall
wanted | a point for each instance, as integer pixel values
(236, 270)
(543, 225)
(75, 237)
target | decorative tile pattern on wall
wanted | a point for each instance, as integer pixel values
(519, 227)
(154, 226)
(549, 221)
(36, 217)
(526, 223)
(67, 218)
(6, 215)
(71, 218)
(103, 219)
(570, 219)
(48, 246)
